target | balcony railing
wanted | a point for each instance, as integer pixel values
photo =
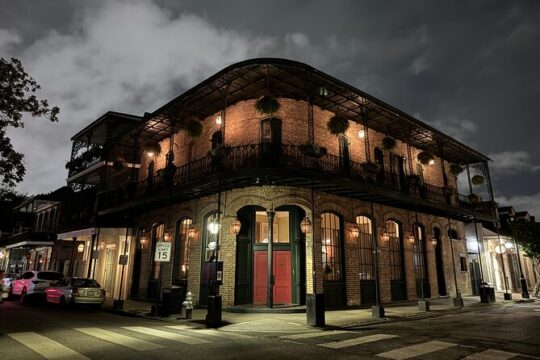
(292, 157)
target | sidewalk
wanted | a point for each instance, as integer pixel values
(296, 322)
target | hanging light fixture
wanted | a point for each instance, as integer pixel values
(219, 121)
(361, 133)
(235, 226)
(213, 226)
(102, 244)
(167, 236)
(305, 225)
(355, 231)
(410, 238)
(431, 161)
(434, 240)
(385, 236)
(80, 248)
(323, 91)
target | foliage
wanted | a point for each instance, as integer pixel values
(388, 143)
(425, 157)
(455, 169)
(194, 129)
(17, 97)
(79, 162)
(477, 180)
(313, 150)
(337, 125)
(527, 234)
(267, 105)
(474, 199)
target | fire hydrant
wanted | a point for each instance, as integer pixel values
(188, 305)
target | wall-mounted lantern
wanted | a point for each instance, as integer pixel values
(236, 225)
(305, 225)
(355, 231)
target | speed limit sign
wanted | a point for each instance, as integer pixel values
(163, 252)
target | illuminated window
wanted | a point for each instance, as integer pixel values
(419, 252)
(157, 235)
(281, 227)
(181, 250)
(395, 249)
(365, 248)
(331, 246)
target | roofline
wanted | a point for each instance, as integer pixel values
(281, 61)
(134, 118)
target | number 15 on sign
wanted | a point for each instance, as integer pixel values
(163, 252)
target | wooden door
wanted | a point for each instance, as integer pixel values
(260, 273)
(282, 277)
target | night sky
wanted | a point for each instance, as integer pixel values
(469, 68)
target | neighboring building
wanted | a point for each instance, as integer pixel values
(383, 188)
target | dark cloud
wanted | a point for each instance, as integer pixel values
(468, 68)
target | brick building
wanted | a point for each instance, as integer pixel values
(374, 209)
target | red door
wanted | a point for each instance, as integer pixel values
(282, 274)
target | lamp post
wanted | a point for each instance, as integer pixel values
(270, 253)
(458, 300)
(377, 311)
(71, 267)
(507, 296)
(213, 317)
(522, 280)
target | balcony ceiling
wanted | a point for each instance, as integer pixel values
(251, 79)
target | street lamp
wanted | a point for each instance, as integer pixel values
(385, 236)
(305, 225)
(80, 248)
(410, 238)
(433, 241)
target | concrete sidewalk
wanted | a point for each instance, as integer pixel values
(296, 322)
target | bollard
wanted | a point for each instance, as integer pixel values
(188, 305)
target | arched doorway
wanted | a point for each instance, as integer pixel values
(423, 290)
(333, 260)
(439, 264)
(398, 287)
(252, 256)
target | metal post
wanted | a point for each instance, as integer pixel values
(91, 258)
(270, 253)
(119, 304)
(73, 247)
(458, 301)
(507, 296)
(95, 260)
(213, 316)
(314, 302)
(522, 280)
(377, 311)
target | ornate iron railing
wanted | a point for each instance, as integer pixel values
(269, 156)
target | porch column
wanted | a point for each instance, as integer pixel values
(270, 277)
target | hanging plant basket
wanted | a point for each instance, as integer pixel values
(477, 180)
(388, 143)
(337, 125)
(456, 169)
(313, 150)
(474, 199)
(119, 163)
(425, 157)
(152, 147)
(371, 167)
(267, 105)
(194, 129)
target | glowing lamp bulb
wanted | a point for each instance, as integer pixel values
(361, 133)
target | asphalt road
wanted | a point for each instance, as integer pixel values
(38, 331)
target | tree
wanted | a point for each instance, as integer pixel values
(527, 234)
(17, 98)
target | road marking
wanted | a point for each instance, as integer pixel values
(167, 335)
(357, 341)
(119, 339)
(211, 332)
(314, 334)
(491, 354)
(416, 350)
(46, 347)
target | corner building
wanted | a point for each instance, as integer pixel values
(377, 202)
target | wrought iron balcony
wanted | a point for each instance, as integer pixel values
(286, 161)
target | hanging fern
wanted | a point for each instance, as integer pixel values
(267, 105)
(388, 143)
(152, 147)
(477, 180)
(474, 199)
(456, 169)
(194, 129)
(425, 157)
(337, 125)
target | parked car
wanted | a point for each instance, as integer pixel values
(4, 289)
(72, 290)
(8, 279)
(34, 282)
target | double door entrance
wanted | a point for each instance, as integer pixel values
(287, 254)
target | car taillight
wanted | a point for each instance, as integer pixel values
(75, 292)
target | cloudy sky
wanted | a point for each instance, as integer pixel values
(469, 68)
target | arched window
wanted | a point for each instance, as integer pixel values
(395, 249)
(271, 131)
(419, 252)
(365, 248)
(331, 246)
(181, 251)
(157, 235)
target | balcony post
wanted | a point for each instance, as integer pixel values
(270, 272)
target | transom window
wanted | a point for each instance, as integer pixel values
(281, 227)
(365, 248)
(331, 246)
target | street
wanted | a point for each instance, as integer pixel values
(37, 331)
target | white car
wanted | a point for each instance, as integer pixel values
(76, 291)
(34, 282)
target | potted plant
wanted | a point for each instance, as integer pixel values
(477, 180)
(267, 105)
(388, 143)
(371, 167)
(337, 125)
(455, 169)
(425, 157)
(194, 128)
(474, 199)
(313, 150)
(152, 147)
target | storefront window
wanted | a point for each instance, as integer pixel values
(281, 227)
(331, 246)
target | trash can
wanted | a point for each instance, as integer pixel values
(487, 294)
(171, 301)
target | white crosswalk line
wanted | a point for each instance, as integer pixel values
(314, 334)
(46, 347)
(211, 332)
(357, 341)
(119, 339)
(491, 354)
(167, 335)
(416, 350)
